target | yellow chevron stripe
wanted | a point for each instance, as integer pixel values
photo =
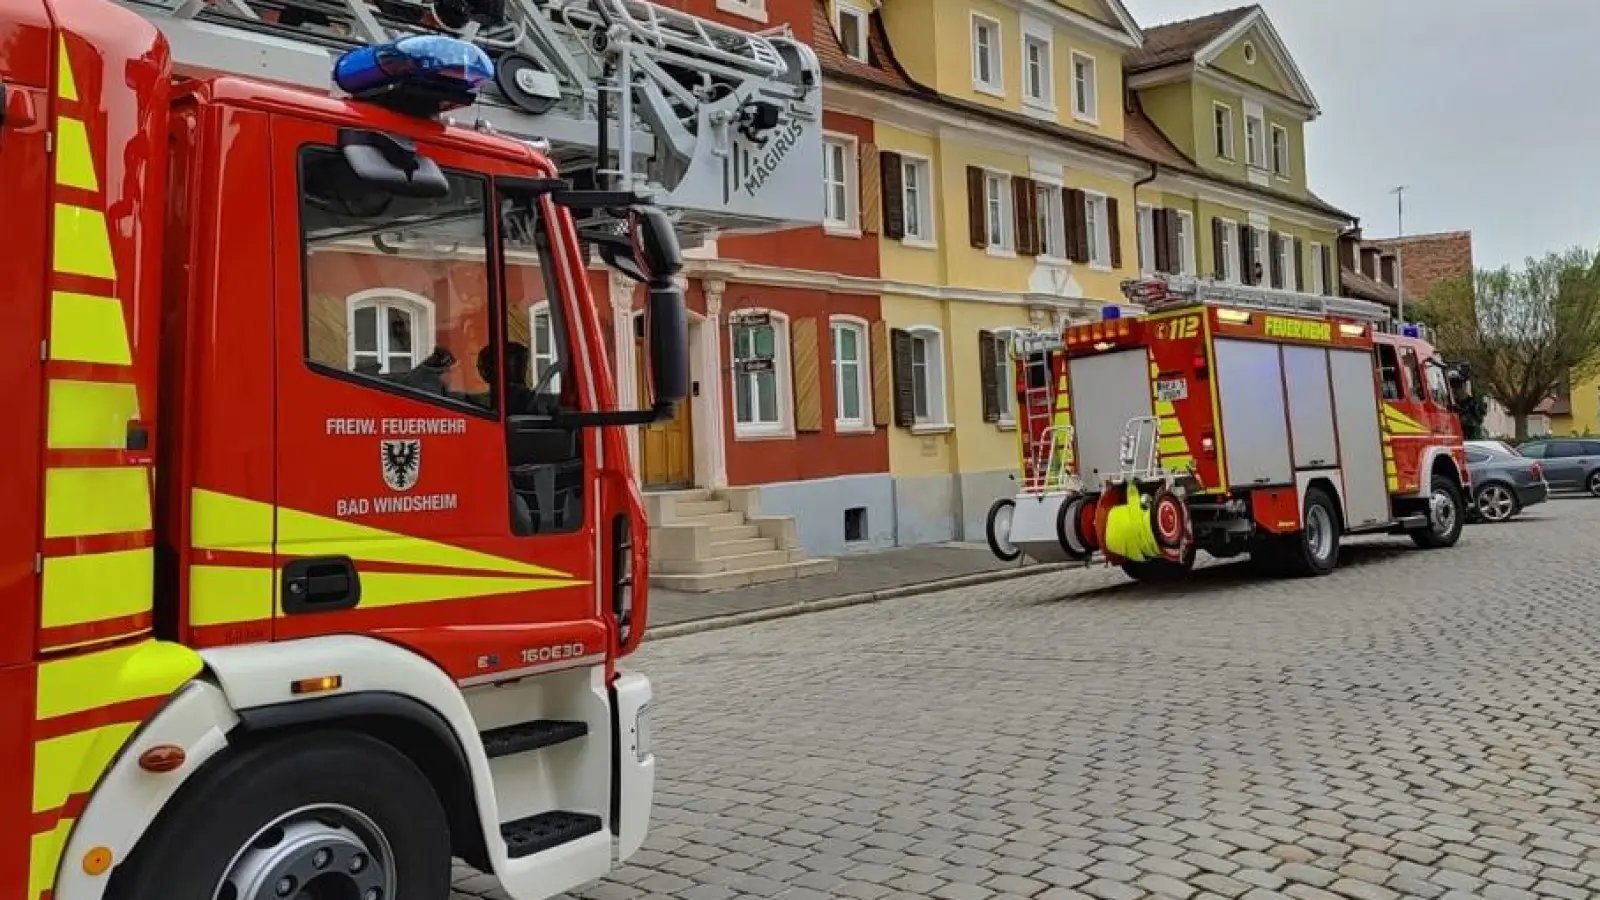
(86, 328)
(224, 595)
(82, 243)
(1168, 445)
(1169, 426)
(66, 86)
(44, 857)
(76, 684)
(90, 415)
(82, 502)
(94, 587)
(71, 764)
(74, 163)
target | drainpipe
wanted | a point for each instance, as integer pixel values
(1155, 169)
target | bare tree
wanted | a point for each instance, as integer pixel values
(1523, 331)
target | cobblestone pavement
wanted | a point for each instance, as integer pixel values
(1418, 724)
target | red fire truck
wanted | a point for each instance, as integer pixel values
(1234, 420)
(322, 548)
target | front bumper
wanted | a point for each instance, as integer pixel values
(636, 762)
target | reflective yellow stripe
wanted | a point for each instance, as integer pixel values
(80, 502)
(1178, 463)
(97, 586)
(90, 415)
(1169, 426)
(220, 522)
(223, 595)
(86, 328)
(76, 684)
(66, 87)
(82, 244)
(71, 764)
(45, 856)
(1170, 445)
(380, 589)
(74, 162)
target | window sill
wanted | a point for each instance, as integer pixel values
(919, 244)
(1051, 260)
(989, 89)
(1085, 119)
(853, 428)
(755, 12)
(1006, 425)
(1040, 109)
(929, 428)
(840, 230)
(1101, 267)
(763, 434)
(1000, 252)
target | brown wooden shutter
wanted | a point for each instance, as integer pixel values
(1328, 272)
(1347, 253)
(894, 195)
(867, 169)
(1299, 264)
(882, 376)
(977, 219)
(1024, 224)
(1080, 225)
(1247, 271)
(1114, 231)
(1273, 242)
(1160, 228)
(988, 361)
(905, 399)
(1217, 257)
(1070, 228)
(806, 367)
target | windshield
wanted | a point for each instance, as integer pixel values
(397, 289)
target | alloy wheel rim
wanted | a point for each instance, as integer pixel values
(1494, 503)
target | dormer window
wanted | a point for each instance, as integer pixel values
(852, 28)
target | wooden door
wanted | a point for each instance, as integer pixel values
(666, 449)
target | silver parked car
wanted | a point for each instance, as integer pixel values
(1570, 464)
(1504, 482)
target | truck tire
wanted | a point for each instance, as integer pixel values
(1446, 516)
(1001, 513)
(339, 813)
(1591, 483)
(1313, 551)
(1068, 533)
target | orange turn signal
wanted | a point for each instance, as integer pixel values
(162, 758)
(317, 685)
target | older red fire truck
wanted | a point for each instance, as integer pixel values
(1231, 419)
(322, 547)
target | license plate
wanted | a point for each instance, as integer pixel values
(1170, 389)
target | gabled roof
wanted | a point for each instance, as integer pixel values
(1178, 42)
(1429, 258)
(1125, 19)
(1199, 41)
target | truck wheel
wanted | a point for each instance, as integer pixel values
(1314, 550)
(1445, 516)
(317, 815)
(998, 529)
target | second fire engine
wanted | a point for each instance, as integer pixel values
(1234, 420)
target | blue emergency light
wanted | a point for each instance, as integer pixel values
(422, 74)
(1107, 313)
(1411, 331)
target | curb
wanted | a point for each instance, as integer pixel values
(733, 620)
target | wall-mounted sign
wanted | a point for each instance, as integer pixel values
(749, 366)
(754, 319)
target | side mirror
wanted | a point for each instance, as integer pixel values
(392, 164)
(655, 244)
(666, 324)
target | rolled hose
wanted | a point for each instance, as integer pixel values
(1128, 532)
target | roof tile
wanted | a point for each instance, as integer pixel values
(1177, 42)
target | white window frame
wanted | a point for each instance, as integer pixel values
(1227, 150)
(937, 419)
(421, 310)
(842, 9)
(1008, 393)
(1144, 226)
(1230, 251)
(999, 198)
(1319, 278)
(926, 235)
(1280, 162)
(1035, 36)
(784, 426)
(863, 363)
(996, 85)
(1097, 209)
(1186, 244)
(1255, 141)
(754, 10)
(1053, 239)
(1088, 111)
(850, 223)
(535, 359)
(1285, 261)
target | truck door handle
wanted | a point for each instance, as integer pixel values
(320, 584)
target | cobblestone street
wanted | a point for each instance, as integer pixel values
(1417, 724)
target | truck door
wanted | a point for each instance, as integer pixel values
(396, 510)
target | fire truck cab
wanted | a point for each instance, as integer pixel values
(1233, 420)
(322, 548)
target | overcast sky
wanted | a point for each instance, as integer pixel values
(1486, 110)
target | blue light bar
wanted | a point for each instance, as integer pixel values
(1411, 331)
(1107, 313)
(422, 74)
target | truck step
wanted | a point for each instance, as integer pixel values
(525, 736)
(535, 834)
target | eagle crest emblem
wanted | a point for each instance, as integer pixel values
(402, 464)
